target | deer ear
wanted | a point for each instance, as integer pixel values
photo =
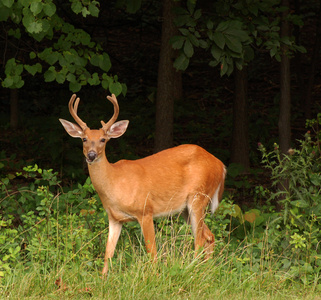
(72, 129)
(117, 129)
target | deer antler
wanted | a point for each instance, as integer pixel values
(107, 125)
(73, 107)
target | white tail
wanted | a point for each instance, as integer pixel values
(184, 179)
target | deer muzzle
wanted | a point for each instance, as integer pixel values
(91, 156)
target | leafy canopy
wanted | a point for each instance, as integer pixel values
(39, 41)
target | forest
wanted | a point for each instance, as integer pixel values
(240, 78)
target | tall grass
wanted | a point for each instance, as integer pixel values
(233, 272)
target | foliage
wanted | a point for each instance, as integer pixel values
(37, 220)
(230, 32)
(299, 220)
(58, 51)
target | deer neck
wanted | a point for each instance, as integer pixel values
(100, 172)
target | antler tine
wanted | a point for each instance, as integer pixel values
(73, 107)
(114, 101)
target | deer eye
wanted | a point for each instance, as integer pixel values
(84, 140)
(103, 140)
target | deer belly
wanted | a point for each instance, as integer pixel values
(119, 215)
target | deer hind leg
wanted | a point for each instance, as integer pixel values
(203, 237)
(210, 241)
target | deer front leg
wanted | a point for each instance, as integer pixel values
(147, 225)
(113, 235)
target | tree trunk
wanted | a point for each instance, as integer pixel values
(240, 134)
(169, 84)
(285, 104)
(285, 88)
(14, 108)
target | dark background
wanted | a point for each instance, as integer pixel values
(203, 116)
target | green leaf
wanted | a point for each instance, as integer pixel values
(273, 51)
(233, 43)
(177, 41)
(181, 62)
(36, 8)
(105, 63)
(71, 78)
(49, 56)
(188, 49)
(184, 31)
(95, 60)
(105, 84)
(33, 69)
(5, 12)
(34, 27)
(50, 74)
(197, 14)
(60, 77)
(115, 88)
(18, 82)
(203, 44)
(76, 7)
(194, 40)
(85, 12)
(94, 80)
(124, 89)
(315, 179)
(7, 3)
(74, 86)
(216, 52)
(239, 34)
(7, 82)
(223, 26)
(224, 69)
(32, 55)
(49, 9)
(93, 9)
(85, 39)
(219, 39)
(191, 6)
(210, 24)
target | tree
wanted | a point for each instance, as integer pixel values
(169, 83)
(38, 41)
(240, 133)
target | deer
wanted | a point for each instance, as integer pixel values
(184, 179)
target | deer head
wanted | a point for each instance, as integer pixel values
(94, 141)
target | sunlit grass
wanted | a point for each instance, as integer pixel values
(176, 275)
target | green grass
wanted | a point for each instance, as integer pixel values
(176, 275)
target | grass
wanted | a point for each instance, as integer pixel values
(177, 279)
(177, 275)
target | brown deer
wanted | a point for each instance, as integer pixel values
(183, 179)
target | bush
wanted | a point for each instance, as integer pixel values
(296, 181)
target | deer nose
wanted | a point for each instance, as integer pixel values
(91, 156)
